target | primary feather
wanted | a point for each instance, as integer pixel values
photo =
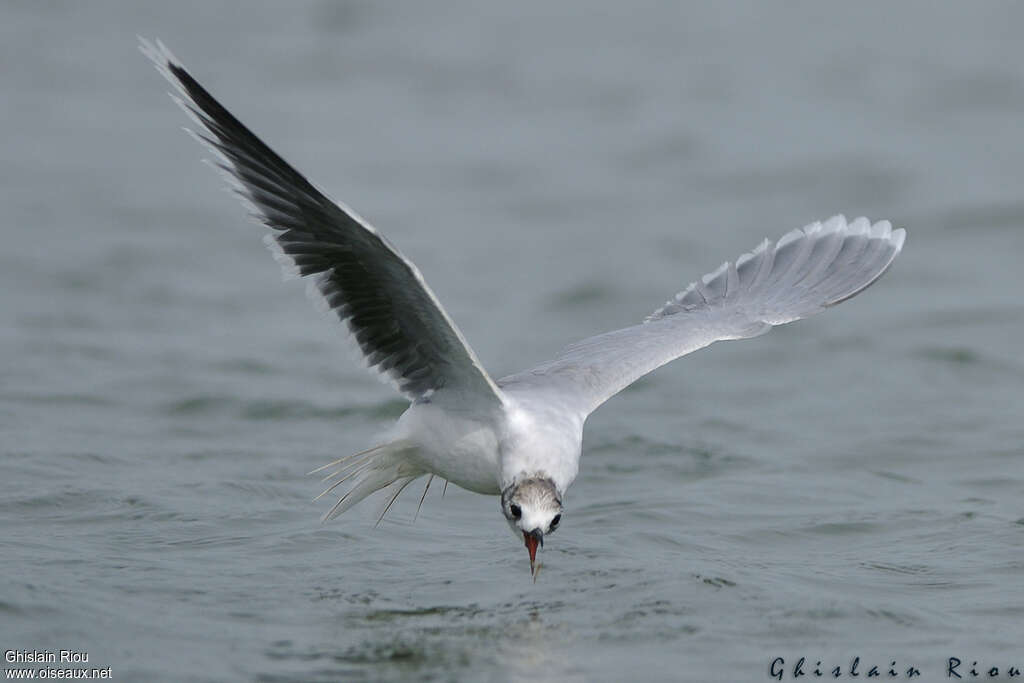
(379, 295)
(803, 273)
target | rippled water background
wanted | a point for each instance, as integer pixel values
(849, 485)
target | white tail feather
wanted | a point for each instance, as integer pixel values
(371, 471)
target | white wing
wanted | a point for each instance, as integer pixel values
(805, 272)
(399, 325)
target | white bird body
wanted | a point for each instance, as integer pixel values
(485, 456)
(541, 438)
(463, 450)
(520, 436)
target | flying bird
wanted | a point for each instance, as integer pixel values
(518, 437)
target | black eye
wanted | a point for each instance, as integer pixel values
(516, 511)
(556, 520)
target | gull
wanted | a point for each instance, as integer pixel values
(518, 437)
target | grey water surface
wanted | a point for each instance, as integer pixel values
(850, 485)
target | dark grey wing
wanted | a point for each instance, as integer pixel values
(398, 323)
(804, 273)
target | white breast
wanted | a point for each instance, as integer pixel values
(541, 439)
(536, 438)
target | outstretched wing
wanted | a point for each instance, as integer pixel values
(804, 273)
(378, 294)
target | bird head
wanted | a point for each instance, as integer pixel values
(532, 508)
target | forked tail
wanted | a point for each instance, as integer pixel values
(369, 471)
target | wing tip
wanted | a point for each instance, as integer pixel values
(882, 231)
(163, 59)
(158, 52)
(860, 227)
(898, 237)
